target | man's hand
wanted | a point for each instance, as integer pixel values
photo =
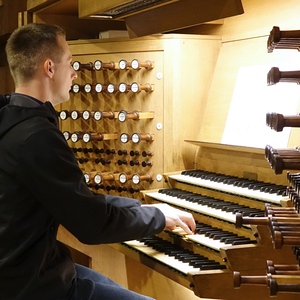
(175, 217)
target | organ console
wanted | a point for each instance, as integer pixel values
(216, 191)
(208, 260)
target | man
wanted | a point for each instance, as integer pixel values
(41, 185)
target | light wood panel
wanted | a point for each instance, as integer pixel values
(181, 14)
(257, 20)
(243, 162)
(174, 57)
(234, 56)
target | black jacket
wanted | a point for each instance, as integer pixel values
(41, 186)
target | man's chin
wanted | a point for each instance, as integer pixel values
(59, 101)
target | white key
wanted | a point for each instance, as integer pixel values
(206, 241)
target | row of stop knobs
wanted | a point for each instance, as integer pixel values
(123, 64)
(98, 115)
(103, 161)
(99, 177)
(96, 136)
(120, 152)
(119, 189)
(112, 88)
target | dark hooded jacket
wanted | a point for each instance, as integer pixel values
(41, 187)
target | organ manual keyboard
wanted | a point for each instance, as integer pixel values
(215, 193)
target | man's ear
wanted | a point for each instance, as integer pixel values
(49, 68)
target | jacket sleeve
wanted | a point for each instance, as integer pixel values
(49, 170)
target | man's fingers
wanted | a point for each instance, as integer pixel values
(185, 227)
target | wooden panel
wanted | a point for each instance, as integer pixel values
(257, 20)
(181, 14)
(36, 5)
(60, 7)
(170, 99)
(234, 56)
(244, 165)
(95, 6)
(77, 28)
(244, 45)
(253, 257)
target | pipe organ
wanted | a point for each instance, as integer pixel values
(123, 123)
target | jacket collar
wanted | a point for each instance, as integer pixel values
(25, 101)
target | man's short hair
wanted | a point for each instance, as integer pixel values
(30, 45)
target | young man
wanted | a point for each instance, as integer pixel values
(41, 185)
